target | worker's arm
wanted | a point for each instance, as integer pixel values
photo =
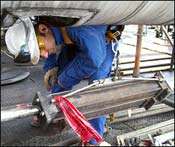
(51, 70)
(54, 65)
(92, 54)
(50, 62)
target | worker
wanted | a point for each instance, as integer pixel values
(93, 59)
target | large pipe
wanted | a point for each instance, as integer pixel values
(98, 12)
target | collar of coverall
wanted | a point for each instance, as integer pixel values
(57, 34)
(61, 35)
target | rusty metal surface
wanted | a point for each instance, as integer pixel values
(111, 98)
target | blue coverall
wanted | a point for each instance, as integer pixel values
(94, 61)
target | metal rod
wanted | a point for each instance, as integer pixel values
(145, 60)
(172, 59)
(141, 114)
(170, 41)
(18, 112)
(138, 51)
(145, 79)
(149, 66)
(76, 91)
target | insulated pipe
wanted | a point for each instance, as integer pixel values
(98, 12)
(18, 112)
(138, 51)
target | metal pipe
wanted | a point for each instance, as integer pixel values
(18, 112)
(145, 79)
(149, 66)
(97, 12)
(172, 59)
(145, 60)
(168, 37)
(76, 91)
(141, 114)
(138, 51)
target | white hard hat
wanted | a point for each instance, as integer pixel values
(21, 41)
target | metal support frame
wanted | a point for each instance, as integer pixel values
(161, 95)
(167, 100)
(107, 97)
(172, 45)
(142, 133)
(172, 59)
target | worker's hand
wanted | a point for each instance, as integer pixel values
(50, 78)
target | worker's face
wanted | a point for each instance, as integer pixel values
(48, 39)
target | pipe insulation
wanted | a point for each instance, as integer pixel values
(98, 12)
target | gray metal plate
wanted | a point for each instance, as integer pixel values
(11, 75)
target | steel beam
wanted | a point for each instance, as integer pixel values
(107, 97)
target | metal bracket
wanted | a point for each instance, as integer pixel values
(48, 110)
(160, 95)
(168, 100)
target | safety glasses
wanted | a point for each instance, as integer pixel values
(40, 43)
